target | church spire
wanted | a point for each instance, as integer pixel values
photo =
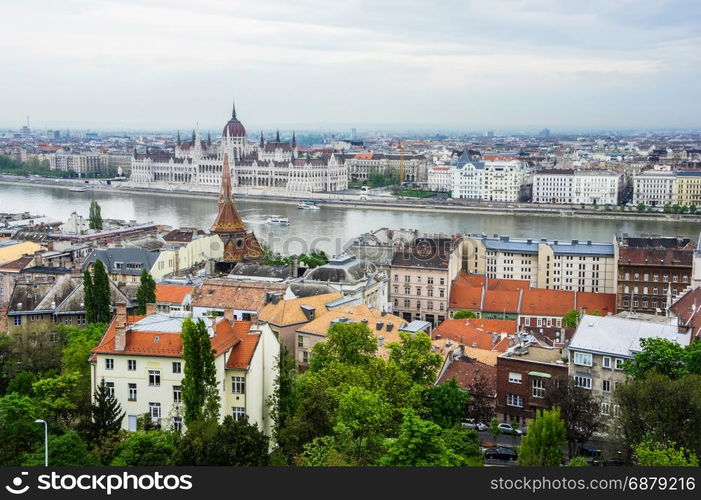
(178, 140)
(233, 110)
(209, 137)
(262, 141)
(294, 139)
(225, 192)
(277, 136)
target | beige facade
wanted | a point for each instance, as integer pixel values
(688, 188)
(174, 260)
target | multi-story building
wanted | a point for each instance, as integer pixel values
(655, 188)
(601, 345)
(584, 266)
(493, 180)
(524, 374)
(82, 163)
(140, 358)
(420, 278)
(362, 165)
(688, 188)
(270, 166)
(440, 178)
(653, 273)
(587, 187)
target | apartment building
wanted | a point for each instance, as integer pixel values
(655, 188)
(140, 359)
(688, 188)
(587, 187)
(420, 277)
(601, 345)
(440, 178)
(493, 180)
(553, 186)
(584, 266)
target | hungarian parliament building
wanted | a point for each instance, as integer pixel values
(269, 166)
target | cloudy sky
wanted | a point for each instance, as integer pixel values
(442, 64)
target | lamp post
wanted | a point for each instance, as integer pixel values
(46, 440)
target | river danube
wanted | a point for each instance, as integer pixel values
(329, 229)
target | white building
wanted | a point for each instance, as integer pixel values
(497, 180)
(440, 178)
(655, 188)
(602, 344)
(588, 187)
(270, 166)
(140, 359)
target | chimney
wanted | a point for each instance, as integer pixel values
(254, 318)
(150, 309)
(121, 317)
(380, 341)
(120, 337)
(229, 314)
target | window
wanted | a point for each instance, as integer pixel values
(177, 394)
(300, 341)
(514, 378)
(305, 356)
(582, 381)
(131, 364)
(442, 281)
(396, 277)
(238, 412)
(178, 424)
(606, 362)
(582, 359)
(177, 367)
(616, 411)
(238, 385)
(132, 392)
(538, 388)
(110, 389)
(441, 293)
(17, 320)
(619, 364)
(407, 290)
(109, 364)
(154, 410)
(606, 385)
(418, 290)
(606, 408)
(407, 279)
(514, 400)
(539, 321)
(154, 378)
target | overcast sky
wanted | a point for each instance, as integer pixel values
(442, 64)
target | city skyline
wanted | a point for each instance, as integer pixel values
(102, 65)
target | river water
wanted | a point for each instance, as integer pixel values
(329, 229)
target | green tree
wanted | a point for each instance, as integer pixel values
(658, 355)
(494, 429)
(102, 296)
(361, 419)
(652, 454)
(692, 209)
(138, 449)
(447, 403)
(79, 342)
(351, 343)
(464, 442)
(542, 446)
(693, 358)
(65, 450)
(95, 219)
(413, 355)
(570, 319)
(283, 402)
(578, 462)
(89, 298)
(322, 452)
(464, 315)
(641, 207)
(106, 414)
(579, 408)
(146, 293)
(419, 444)
(23, 384)
(199, 385)
(62, 400)
(18, 432)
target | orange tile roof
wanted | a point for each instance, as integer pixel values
(602, 302)
(289, 312)
(222, 294)
(505, 301)
(174, 294)
(363, 156)
(547, 302)
(241, 355)
(468, 333)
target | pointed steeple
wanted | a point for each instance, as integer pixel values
(262, 141)
(225, 190)
(193, 136)
(233, 109)
(178, 140)
(209, 138)
(294, 139)
(277, 136)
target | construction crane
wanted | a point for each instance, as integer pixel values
(401, 163)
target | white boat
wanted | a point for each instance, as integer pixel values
(308, 205)
(277, 219)
(77, 190)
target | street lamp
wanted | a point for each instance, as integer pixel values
(46, 440)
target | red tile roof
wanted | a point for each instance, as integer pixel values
(174, 294)
(470, 333)
(240, 357)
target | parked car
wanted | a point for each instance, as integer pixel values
(505, 428)
(471, 424)
(501, 453)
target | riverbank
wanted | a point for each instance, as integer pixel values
(354, 201)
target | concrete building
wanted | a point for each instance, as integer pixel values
(553, 186)
(587, 187)
(688, 188)
(655, 187)
(584, 266)
(440, 178)
(140, 359)
(420, 278)
(494, 180)
(601, 345)
(361, 166)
